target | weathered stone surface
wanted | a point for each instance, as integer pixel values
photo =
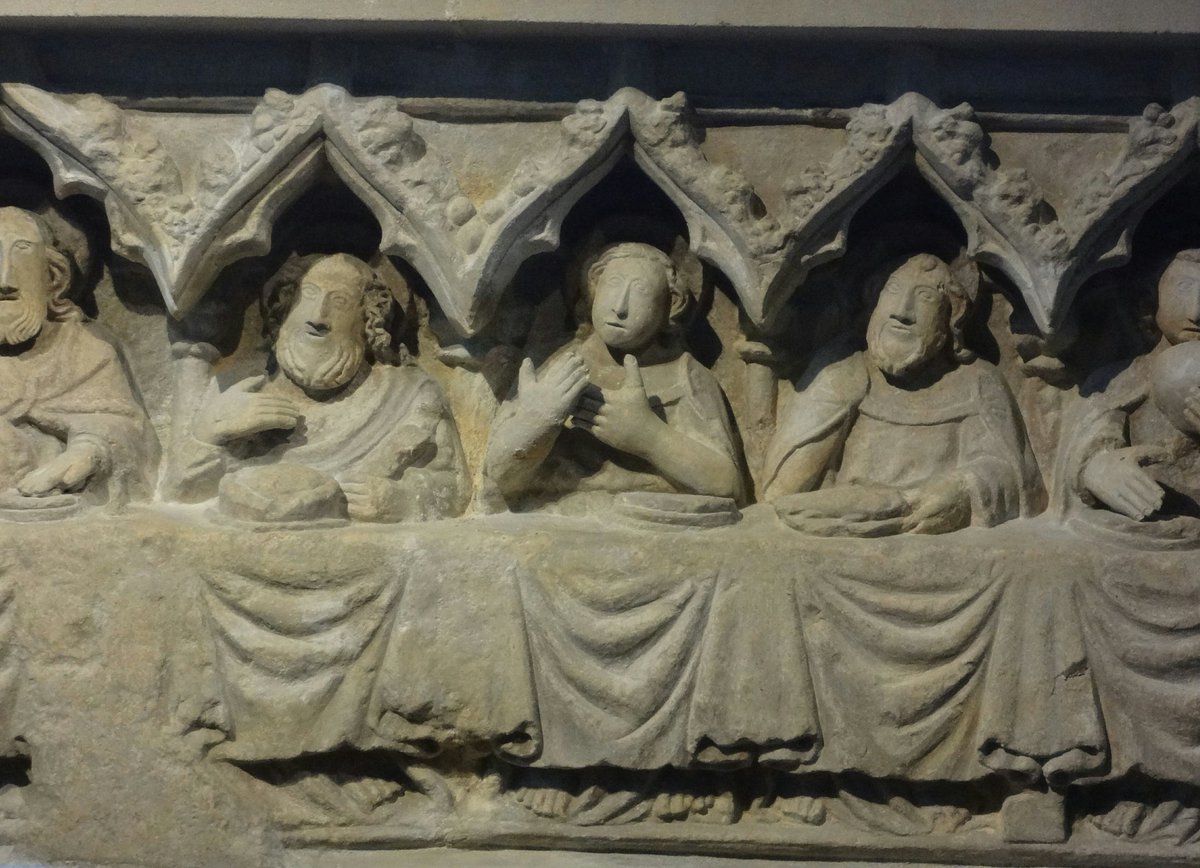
(383, 472)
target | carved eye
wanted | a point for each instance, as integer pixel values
(23, 245)
(308, 290)
(927, 295)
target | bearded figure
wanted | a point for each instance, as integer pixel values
(912, 433)
(69, 420)
(341, 424)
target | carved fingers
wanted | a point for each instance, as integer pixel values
(373, 499)
(940, 506)
(556, 389)
(622, 417)
(851, 510)
(243, 410)
(1117, 480)
(66, 473)
(1191, 408)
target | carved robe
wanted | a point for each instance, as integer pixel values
(70, 387)
(1120, 413)
(869, 432)
(391, 423)
(581, 469)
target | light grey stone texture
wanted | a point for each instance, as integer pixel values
(509, 460)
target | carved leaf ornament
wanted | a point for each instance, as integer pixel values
(187, 211)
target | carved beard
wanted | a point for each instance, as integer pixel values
(21, 318)
(318, 365)
(898, 356)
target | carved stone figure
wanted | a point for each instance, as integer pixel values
(1134, 452)
(69, 420)
(912, 434)
(340, 424)
(625, 409)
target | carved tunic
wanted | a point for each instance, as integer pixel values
(71, 387)
(1121, 414)
(874, 433)
(580, 469)
(394, 422)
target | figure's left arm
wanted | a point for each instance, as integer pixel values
(624, 420)
(426, 477)
(997, 477)
(103, 426)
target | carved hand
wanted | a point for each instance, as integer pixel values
(621, 418)
(1191, 408)
(70, 471)
(373, 498)
(939, 506)
(848, 510)
(242, 410)
(552, 394)
(1117, 480)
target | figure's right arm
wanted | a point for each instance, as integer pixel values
(241, 411)
(1113, 474)
(221, 420)
(529, 423)
(814, 421)
(805, 466)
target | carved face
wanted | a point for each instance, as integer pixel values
(322, 341)
(1178, 316)
(631, 302)
(911, 322)
(25, 285)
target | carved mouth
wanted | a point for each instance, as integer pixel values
(615, 325)
(317, 329)
(9, 294)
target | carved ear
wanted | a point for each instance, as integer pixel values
(681, 299)
(59, 270)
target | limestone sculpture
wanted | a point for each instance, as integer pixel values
(625, 409)
(640, 333)
(1134, 451)
(339, 426)
(70, 419)
(912, 434)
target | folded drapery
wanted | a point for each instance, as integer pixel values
(562, 643)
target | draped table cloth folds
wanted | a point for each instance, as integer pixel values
(572, 643)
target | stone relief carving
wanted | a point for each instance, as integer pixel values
(340, 426)
(1133, 450)
(625, 409)
(912, 434)
(620, 630)
(71, 422)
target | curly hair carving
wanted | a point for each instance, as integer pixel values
(382, 317)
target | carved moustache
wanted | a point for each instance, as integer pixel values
(318, 365)
(899, 354)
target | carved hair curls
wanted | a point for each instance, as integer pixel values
(382, 316)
